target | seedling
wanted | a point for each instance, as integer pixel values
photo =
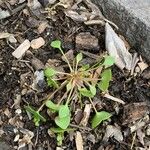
(81, 81)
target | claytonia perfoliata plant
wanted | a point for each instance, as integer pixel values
(81, 81)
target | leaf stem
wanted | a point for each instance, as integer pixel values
(93, 105)
(51, 95)
(66, 60)
(68, 99)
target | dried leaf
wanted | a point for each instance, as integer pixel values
(112, 131)
(116, 48)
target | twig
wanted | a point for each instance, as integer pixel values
(114, 98)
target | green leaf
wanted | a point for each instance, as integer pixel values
(79, 58)
(52, 106)
(59, 130)
(103, 85)
(60, 138)
(93, 89)
(109, 61)
(52, 83)
(106, 75)
(56, 44)
(63, 122)
(85, 92)
(84, 67)
(36, 115)
(99, 117)
(64, 111)
(69, 86)
(49, 72)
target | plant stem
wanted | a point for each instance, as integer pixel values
(63, 73)
(62, 98)
(93, 105)
(51, 95)
(66, 60)
(68, 99)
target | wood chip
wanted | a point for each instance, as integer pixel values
(37, 43)
(43, 25)
(86, 41)
(134, 111)
(142, 66)
(4, 35)
(79, 141)
(20, 51)
(86, 115)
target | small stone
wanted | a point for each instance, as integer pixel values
(37, 43)
(86, 41)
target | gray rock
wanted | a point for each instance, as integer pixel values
(4, 146)
(133, 20)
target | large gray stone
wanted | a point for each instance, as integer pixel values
(133, 20)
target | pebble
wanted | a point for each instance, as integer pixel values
(37, 43)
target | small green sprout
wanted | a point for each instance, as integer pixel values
(80, 81)
(36, 115)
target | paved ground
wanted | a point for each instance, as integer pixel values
(133, 19)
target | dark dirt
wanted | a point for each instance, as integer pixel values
(130, 89)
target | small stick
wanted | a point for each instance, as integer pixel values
(114, 98)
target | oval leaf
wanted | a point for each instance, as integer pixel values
(49, 72)
(56, 44)
(93, 89)
(64, 111)
(79, 58)
(103, 85)
(86, 92)
(99, 117)
(52, 106)
(109, 61)
(63, 122)
(106, 75)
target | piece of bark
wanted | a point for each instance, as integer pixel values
(86, 41)
(86, 115)
(20, 51)
(37, 64)
(134, 111)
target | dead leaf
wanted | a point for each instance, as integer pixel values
(141, 136)
(79, 141)
(112, 131)
(116, 48)
(4, 35)
(4, 14)
(20, 51)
